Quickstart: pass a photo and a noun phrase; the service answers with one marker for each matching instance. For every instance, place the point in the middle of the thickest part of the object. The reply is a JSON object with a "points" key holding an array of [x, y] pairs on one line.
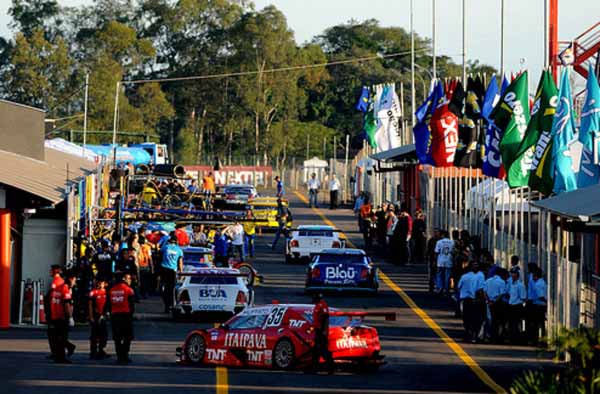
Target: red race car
{"points": [[282, 337]]}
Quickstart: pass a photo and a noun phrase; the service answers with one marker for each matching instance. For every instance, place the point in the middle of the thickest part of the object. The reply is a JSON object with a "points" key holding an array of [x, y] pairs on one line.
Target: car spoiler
{"points": [[335, 230], [389, 316], [214, 275]]}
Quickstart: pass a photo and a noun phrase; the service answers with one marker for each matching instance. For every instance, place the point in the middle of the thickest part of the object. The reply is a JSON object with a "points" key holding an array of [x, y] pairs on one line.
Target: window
{"points": [[341, 258], [214, 280], [196, 257], [337, 321], [247, 322], [316, 233]]}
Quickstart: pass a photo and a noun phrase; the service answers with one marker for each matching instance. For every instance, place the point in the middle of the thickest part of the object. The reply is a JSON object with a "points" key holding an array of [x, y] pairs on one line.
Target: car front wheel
{"points": [[283, 354], [195, 349]]}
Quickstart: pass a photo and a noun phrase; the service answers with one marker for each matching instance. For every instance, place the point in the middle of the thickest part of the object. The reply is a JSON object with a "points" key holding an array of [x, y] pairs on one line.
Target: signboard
{"points": [[259, 175]]}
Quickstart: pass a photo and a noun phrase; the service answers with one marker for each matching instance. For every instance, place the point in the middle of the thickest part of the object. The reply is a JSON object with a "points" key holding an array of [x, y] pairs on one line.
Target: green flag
{"points": [[511, 116], [544, 107], [541, 177], [370, 126]]}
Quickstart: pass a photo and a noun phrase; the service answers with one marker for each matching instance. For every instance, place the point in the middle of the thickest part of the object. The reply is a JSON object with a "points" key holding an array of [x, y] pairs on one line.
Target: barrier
{"points": [[31, 305]]}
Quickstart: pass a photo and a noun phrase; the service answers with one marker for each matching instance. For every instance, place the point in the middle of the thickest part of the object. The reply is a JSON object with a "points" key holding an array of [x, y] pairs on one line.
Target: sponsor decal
{"points": [[212, 293], [268, 357], [216, 354], [297, 323], [275, 317], [246, 340], [203, 307], [214, 335], [255, 356], [348, 342], [340, 273]]}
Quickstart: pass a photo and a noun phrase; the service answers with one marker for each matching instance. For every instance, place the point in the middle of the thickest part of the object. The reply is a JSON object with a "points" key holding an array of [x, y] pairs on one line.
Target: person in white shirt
{"points": [[517, 296], [539, 306], [313, 190], [236, 233], [443, 251], [334, 188], [469, 285]]}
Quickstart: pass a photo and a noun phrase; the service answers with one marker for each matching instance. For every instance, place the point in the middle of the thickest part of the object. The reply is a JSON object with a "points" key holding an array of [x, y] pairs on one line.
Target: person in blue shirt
{"points": [[516, 298], [171, 263], [468, 286], [221, 248], [193, 187], [280, 189], [539, 306], [529, 310], [495, 289]]}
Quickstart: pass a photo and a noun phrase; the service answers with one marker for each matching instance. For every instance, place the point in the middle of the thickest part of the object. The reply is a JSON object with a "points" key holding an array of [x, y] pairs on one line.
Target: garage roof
{"points": [[46, 179], [582, 204], [401, 153]]}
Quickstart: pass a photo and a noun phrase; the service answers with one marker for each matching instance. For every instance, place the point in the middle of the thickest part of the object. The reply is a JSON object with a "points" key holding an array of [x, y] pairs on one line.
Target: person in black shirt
{"points": [[103, 261], [419, 238]]}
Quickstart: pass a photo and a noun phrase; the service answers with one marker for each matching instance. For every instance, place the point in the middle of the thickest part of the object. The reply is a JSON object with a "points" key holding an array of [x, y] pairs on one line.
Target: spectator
{"points": [[468, 286], [392, 220], [199, 237], [103, 263], [495, 289], [250, 232], [313, 190], [360, 200], [419, 237], [366, 217], [183, 238], [529, 309], [193, 187], [208, 184], [221, 249], [514, 263], [381, 219], [402, 234], [236, 233], [539, 306], [431, 258], [172, 262], [443, 251], [146, 269], [517, 297], [334, 188], [280, 189]]}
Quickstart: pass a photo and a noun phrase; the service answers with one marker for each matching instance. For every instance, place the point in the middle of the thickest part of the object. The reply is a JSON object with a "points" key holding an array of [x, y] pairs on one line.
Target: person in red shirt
{"points": [[56, 281], [321, 325], [61, 318], [98, 331], [183, 238], [120, 305]]}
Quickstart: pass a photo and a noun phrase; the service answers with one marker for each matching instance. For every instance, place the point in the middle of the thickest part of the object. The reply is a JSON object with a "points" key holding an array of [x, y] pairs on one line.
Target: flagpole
{"points": [[504, 244], [529, 227], [522, 220], [464, 40], [85, 111], [492, 243], [502, 39], [412, 63], [433, 64]]}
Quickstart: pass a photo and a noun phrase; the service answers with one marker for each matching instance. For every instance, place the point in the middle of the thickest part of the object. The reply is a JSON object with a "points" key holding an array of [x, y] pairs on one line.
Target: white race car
{"points": [[211, 290], [308, 240], [195, 257]]}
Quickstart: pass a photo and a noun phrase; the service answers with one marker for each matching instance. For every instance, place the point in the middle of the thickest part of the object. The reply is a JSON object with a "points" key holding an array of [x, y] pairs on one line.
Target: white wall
{"points": [[44, 244]]}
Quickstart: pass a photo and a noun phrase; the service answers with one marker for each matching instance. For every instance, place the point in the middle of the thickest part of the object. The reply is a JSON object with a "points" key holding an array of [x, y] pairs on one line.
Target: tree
{"points": [[30, 16]]}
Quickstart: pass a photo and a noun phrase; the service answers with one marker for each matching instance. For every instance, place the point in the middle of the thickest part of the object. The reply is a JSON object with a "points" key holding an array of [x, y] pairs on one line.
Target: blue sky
{"points": [[523, 21]]}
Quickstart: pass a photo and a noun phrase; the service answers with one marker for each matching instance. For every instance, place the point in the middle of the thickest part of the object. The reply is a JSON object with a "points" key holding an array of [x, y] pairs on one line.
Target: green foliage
{"points": [[263, 117], [581, 374]]}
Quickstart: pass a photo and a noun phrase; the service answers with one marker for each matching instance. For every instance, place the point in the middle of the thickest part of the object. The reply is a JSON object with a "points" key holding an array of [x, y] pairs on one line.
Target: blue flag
{"points": [[505, 84], [363, 101], [589, 173], [492, 159], [563, 134], [490, 98], [421, 131]]}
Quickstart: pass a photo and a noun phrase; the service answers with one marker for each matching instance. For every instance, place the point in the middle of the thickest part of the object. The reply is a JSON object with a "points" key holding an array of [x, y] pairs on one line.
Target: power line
{"points": [[273, 70]]}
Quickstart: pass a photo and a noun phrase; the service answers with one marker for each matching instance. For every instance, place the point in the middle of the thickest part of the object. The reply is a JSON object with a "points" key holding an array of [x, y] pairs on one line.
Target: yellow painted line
{"points": [[222, 384], [451, 343]]}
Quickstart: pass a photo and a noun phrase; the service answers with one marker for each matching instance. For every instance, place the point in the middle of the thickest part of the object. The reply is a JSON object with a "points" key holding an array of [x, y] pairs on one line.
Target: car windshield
{"points": [[340, 258], [239, 190], [247, 322], [214, 280], [315, 233], [196, 257], [337, 321]]}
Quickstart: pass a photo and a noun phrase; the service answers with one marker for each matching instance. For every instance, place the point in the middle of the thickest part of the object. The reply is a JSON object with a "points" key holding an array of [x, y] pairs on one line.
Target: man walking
{"points": [[61, 319], [120, 305], [280, 189], [313, 190], [402, 234], [97, 319], [517, 297], [443, 252], [334, 187], [172, 261]]}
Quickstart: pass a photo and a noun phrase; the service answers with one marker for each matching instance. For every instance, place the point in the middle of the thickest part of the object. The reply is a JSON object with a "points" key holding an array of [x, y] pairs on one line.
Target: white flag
{"points": [[388, 110]]}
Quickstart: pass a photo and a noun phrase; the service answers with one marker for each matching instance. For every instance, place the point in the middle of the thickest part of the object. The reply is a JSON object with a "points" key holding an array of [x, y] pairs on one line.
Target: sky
{"points": [[523, 24]]}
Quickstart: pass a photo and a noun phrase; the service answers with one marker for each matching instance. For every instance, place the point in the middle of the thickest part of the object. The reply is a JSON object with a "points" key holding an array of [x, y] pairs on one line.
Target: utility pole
{"points": [[346, 183], [464, 42], [433, 40], [85, 110], [412, 63]]}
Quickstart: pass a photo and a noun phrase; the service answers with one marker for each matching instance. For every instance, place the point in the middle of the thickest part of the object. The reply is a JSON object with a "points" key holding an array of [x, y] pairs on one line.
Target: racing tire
{"points": [[249, 272], [284, 356], [195, 348]]}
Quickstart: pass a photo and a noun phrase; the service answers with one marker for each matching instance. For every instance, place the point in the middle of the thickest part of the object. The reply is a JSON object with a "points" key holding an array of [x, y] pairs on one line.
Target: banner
{"points": [[543, 111], [492, 159], [422, 130], [261, 175], [444, 136], [589, 173], [388, 111]]}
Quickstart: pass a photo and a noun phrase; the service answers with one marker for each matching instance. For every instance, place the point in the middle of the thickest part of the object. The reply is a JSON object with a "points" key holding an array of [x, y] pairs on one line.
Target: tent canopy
{"points": [[582, 204]]}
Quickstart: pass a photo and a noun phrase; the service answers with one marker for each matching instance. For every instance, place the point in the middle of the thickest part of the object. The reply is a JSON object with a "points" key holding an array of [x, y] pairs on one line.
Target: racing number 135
{"points": [[275, 317]]}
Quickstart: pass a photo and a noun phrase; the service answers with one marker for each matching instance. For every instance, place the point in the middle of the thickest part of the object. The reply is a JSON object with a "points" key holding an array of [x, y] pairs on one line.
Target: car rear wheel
{"points": [[195, 349], [283, 354]]}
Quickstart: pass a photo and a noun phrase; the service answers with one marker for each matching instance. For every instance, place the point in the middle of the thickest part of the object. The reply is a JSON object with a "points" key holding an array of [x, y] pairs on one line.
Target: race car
{"points": [[216, 290], [265, 211], [309, 240], [281, 336], [341, 270], [238, 195]]}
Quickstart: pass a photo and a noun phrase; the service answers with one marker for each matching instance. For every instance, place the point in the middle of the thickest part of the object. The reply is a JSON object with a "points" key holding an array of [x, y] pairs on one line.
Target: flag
{"points": [[370, 125], [492, 160], [421, 131], [511, 115], [444, 134], [563, 134], [457, 97], [490, 98], [388, 113], [363, 101], [466, 149], [589, 173], [505, 84], [540, 123]]}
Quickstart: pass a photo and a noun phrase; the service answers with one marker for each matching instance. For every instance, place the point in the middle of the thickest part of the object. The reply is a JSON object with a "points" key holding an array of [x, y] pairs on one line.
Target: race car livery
{"points": [[265, 211], [309, 240], [195, 257], [281, 336], [203, 290], [340, 270]]}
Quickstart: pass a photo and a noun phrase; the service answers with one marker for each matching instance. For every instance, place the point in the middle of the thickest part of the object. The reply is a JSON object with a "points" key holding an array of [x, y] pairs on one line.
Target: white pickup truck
{"points": [[307, 240]]}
